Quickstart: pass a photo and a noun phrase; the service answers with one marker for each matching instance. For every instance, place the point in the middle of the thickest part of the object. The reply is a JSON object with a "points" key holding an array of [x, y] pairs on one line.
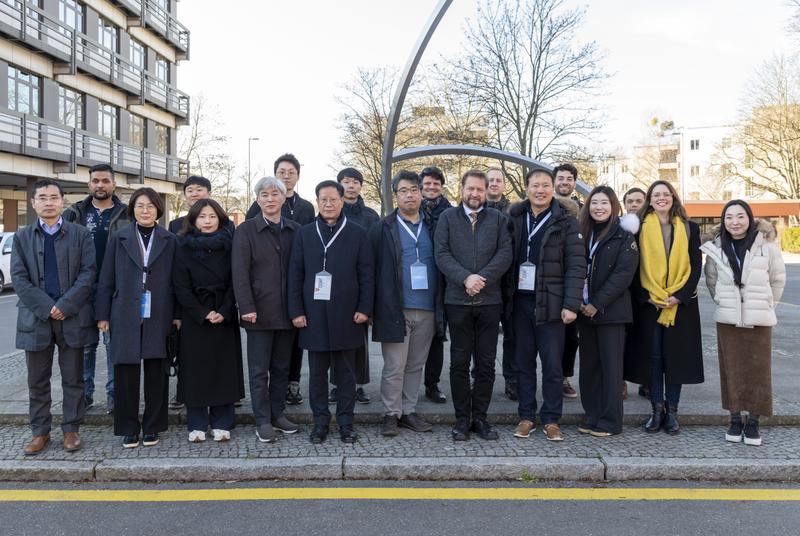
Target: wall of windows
{"points": [[72, 14], [107, 34]]}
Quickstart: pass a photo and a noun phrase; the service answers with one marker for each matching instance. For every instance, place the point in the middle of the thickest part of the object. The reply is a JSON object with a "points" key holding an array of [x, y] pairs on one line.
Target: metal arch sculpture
{"points": [[394, 118]]}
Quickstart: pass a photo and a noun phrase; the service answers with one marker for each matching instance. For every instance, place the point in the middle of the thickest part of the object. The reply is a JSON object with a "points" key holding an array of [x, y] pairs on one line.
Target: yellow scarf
{"points": [[657, 278]]}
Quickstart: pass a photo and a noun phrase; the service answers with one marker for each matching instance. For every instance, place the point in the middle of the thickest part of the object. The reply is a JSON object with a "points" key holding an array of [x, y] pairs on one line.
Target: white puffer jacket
{"points": [[763, 279]]}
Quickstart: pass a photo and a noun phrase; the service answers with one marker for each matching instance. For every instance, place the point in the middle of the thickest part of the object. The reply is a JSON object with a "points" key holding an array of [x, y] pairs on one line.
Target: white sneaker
{"points": [[221, 435], [197, 436]]}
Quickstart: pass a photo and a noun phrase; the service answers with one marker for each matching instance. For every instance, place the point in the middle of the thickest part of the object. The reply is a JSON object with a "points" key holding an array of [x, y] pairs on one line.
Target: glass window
{"points": [[162, 69], [162, 4], [694, 145], [136, 130], [136, 55], [71, 13], [107, 120], [70, 107], [162, 139], [23, 91], [694, 171], [107, 34]]}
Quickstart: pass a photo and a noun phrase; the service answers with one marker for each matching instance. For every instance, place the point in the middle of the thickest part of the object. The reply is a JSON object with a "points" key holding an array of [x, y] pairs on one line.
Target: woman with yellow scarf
{"points": [[667, 351]]}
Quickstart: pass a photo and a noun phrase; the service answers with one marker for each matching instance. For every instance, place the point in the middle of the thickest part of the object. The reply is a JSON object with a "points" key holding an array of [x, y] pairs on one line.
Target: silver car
{"points": [[6, 243]]}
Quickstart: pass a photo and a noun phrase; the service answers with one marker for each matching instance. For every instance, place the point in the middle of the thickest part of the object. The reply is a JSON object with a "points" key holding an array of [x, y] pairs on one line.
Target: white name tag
{"points": [[586, 292], [146, 304], [323, 282], [527, 276], [419, 276]]}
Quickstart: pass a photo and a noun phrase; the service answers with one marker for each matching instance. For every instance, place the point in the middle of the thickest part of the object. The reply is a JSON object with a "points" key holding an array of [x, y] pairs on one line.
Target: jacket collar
{"points": [[129, 241], [520, 208]]}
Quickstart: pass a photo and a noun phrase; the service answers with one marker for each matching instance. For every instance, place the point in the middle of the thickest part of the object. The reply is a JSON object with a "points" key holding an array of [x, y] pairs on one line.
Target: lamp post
{"points": [[249, 177]]}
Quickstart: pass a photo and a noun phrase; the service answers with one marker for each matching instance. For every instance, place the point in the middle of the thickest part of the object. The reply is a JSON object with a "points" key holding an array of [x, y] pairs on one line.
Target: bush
{"points": [[790, 240]]}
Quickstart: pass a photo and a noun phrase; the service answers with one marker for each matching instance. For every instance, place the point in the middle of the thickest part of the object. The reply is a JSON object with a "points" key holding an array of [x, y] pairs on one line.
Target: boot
{"points": [[656, 420], [671, 425]]}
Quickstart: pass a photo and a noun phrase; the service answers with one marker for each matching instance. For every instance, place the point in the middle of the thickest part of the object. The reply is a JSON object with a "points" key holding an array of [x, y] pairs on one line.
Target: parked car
{"points": [[6, 242]]}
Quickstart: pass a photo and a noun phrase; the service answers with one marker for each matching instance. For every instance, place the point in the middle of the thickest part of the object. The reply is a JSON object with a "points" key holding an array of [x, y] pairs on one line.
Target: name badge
{"points": [[527, 276], [419, 276], [586, 292], [323, 282], [145, 305]]}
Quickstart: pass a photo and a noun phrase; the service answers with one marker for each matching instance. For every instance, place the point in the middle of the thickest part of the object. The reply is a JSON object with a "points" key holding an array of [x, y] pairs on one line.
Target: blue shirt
{"points": [[417, 299]]}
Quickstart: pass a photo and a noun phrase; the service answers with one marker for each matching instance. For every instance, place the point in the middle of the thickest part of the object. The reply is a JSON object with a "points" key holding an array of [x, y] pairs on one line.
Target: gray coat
{"points": [[76, 275], [119, 293], [460, 252]]}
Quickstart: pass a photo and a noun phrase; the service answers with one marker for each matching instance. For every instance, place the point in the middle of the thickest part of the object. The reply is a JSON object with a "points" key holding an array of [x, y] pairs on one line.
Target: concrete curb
{"points": [[45, 471], [702, 469]]}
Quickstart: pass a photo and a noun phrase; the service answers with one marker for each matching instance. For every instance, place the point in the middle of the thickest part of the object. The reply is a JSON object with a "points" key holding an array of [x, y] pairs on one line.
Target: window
{"points": [[107, 120], [694, 145], [748, 160], [726, 143], [136, 130], [162, 139], [23, 91], [605, 169], [136, 54], [72, 14], [749, 189], [726, 169], [668, 156], [624, 168], [694, 171], [162, 69], [162, 4], [727, 195], [70, 107], [107, 34]]}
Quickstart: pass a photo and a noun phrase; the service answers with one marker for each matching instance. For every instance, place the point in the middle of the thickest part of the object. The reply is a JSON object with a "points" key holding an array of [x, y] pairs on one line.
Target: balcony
{"points": [[165, 96], [164, 24], [33, 136], [131, 7]]}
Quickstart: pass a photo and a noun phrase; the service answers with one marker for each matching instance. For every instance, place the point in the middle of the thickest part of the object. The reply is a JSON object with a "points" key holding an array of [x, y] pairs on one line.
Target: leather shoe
{"points": [[484, 430], [36, 445], [319, 434], [460, 431], [348, 435], [433, 394], [72, 441], [412, 421]]}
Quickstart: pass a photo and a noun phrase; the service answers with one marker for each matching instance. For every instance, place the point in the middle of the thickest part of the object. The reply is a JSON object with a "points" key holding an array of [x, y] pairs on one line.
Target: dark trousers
{"points": [[362, 364], [435, 361], [570, 349], [602, 351], [126, 397], [318, 365], [40, 370], [546, 340], [296, 362], [219, 417], [473, 330], [509, 353], [658, 368], [268, 355]]}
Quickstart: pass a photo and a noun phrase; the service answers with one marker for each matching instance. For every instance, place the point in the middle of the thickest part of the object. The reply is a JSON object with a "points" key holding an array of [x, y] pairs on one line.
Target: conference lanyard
{"points": [[330, 243], [415, 237], [534, 231], [736, 256], [145, 253]]}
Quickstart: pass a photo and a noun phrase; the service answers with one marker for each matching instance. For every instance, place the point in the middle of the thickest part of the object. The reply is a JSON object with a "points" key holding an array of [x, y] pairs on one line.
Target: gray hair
{"points": [[264, 183]]}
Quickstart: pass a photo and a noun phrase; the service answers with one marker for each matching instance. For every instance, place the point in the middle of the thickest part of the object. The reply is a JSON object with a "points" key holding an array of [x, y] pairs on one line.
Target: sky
{"points": [[273, 69]]}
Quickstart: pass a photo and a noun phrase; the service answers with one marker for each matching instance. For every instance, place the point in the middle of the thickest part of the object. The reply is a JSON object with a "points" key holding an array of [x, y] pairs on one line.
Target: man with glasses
{"points": [[473, 252]]}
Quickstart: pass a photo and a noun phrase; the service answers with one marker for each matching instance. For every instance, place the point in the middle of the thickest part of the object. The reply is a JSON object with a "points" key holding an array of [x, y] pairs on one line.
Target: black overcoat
{"points": [[330, 323], [119, 294]]}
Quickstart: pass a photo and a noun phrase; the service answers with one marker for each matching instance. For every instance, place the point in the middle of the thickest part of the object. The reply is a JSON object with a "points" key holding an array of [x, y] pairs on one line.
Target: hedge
{"points": [[790, 239]]}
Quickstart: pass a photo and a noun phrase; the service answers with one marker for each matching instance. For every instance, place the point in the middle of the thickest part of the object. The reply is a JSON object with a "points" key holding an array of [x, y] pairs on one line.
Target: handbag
{"points": [[173, 347]]}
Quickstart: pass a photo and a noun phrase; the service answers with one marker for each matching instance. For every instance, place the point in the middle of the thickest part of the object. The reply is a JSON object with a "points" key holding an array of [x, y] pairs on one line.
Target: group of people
{"points": [[555, 273]]}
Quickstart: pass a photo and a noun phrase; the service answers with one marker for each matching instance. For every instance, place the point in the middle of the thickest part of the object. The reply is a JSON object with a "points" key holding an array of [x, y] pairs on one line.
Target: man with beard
{"points": [[103, 214]]}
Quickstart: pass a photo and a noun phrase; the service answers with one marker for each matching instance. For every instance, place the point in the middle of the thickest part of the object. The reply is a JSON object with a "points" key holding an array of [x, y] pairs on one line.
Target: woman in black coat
{"points": [[210, 355], [612, 257], [666, 349], [135, 302]]}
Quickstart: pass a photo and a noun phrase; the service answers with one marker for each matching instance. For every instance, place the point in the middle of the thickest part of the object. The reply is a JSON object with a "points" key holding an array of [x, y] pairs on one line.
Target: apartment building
{"points": [[89, 82]]}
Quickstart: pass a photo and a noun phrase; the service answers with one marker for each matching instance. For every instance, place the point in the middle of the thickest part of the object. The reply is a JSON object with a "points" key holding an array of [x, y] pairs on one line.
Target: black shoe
{"points": [[460, 431], [347, 434], [332, 396], [656, 420], [319, 434], [511, 392], [412, 421], [89, 401], [671, 425], [361, 396], [389, 428], [735, 430], [433, 394], [293, 395], [484, 430], [130, 441], [150, 440], [751, 433]]}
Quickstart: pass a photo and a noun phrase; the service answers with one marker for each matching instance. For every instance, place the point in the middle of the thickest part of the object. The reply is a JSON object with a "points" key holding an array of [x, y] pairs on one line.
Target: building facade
{"points": [[89, 82]]}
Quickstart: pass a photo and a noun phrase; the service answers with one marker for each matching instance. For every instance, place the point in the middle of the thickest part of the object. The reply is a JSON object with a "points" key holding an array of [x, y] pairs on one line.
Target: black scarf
{"points": [[733, 248], [203, 244]]}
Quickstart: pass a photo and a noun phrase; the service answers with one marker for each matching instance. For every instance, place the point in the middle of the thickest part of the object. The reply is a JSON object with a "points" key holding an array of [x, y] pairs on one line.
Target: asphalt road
{"points": [[404, 517]]}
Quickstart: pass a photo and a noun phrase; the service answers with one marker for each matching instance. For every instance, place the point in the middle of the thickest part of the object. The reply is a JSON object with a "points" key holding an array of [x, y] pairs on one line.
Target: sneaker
{"points": [[197, 436], [596, 432], [524, 429], [109, 405], [413, 422], [585, 428], [221, 435], [361, 396], [284, 425], [293, 395], [266, 433], [332, 396], [734, 433], [569, 391], [174, 403], [553, 432], [751, 434], [130, 441], [389, 428], [150, 440], [89, 401]]}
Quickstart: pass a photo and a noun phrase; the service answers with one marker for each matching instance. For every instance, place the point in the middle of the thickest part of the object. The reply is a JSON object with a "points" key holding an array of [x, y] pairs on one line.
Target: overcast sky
{"points": [[274, 68]]}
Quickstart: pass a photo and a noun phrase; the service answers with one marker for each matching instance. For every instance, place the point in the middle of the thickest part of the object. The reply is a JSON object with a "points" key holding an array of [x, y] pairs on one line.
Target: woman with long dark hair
{"points": [[667, 351], [745, 275], [210, 355], [612, 257]]}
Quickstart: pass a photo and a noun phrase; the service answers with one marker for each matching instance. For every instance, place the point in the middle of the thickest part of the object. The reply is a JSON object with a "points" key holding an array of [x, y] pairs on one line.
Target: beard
{"points": [[100, 195], [473, 203]]}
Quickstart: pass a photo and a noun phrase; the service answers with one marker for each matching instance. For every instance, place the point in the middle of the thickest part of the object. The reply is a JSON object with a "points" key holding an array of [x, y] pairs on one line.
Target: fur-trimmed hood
{"points": [[630, 222], [765, 227], [568, 207]]}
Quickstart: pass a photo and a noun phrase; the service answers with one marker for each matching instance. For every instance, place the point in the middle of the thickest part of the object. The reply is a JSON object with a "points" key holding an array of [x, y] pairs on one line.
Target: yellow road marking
{"points": [[445, 494]]}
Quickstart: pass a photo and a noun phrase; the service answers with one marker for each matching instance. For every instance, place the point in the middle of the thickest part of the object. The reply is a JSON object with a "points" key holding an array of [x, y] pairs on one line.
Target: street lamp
{"points": [[249, 177]]}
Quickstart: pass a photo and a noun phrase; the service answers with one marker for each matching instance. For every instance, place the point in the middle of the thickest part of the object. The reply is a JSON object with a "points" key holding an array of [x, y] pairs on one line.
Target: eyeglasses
{"points": [[407, 191], [283, 173], [331, 201], [144, 208]]}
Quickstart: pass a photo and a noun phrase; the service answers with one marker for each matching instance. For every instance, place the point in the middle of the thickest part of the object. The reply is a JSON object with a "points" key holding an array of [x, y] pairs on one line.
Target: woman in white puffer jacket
{"points": [[745, 275]]}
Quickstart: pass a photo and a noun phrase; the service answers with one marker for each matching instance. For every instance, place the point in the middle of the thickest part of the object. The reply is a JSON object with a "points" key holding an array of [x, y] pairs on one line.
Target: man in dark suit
{"points": [[53, 268], [330, 299]]}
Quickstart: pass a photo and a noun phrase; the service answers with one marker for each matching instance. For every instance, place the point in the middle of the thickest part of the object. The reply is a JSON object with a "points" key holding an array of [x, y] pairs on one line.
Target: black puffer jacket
{"points": [[561, 262]]}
